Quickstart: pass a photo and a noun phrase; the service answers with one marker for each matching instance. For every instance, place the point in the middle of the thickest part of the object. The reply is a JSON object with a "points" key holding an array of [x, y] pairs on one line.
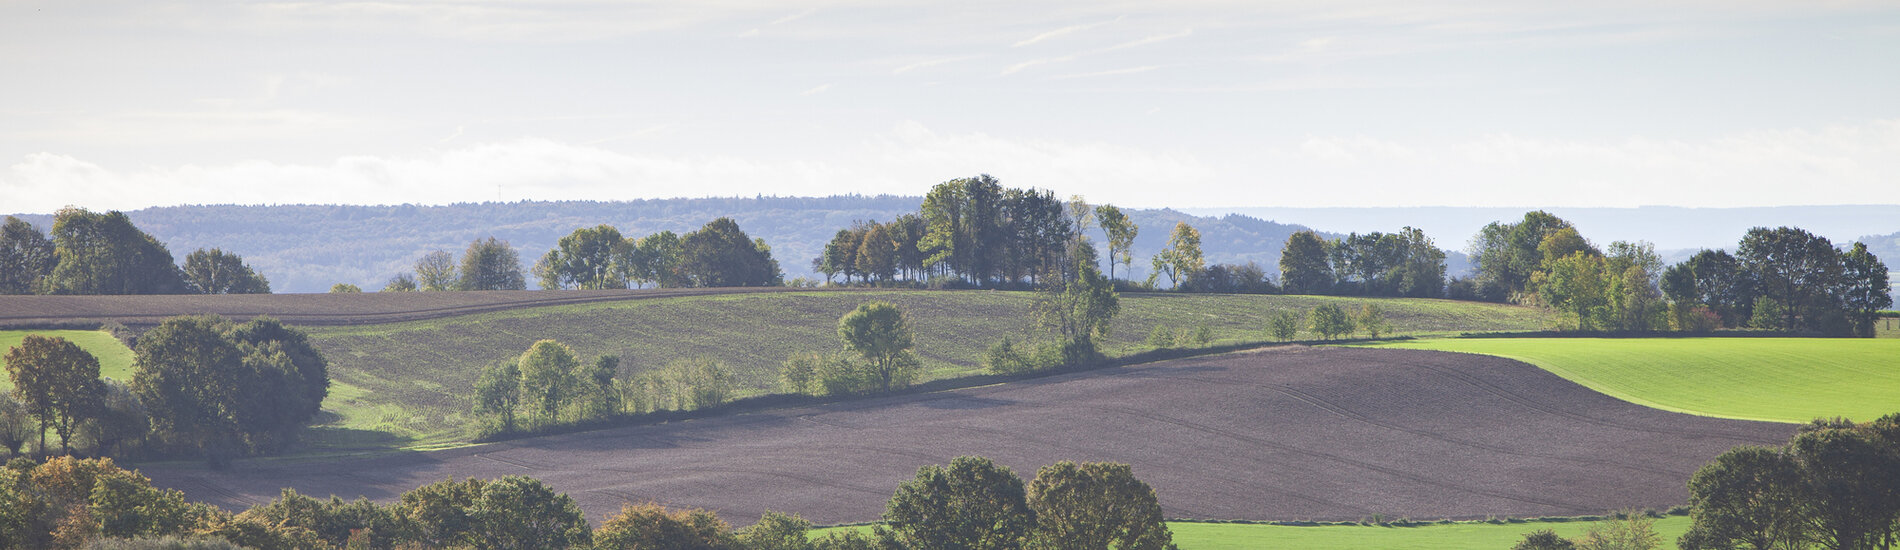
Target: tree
{"points": [[586, 259], [1095, 505], [1575, 284], [1079, 311], [973, 504], [1284, 324], [877, 253], [1628, 530], [1304, 266], [26, 257], [517, 512], [1372, 320], [1715, 280], [224, 388], [1506, 255], [436, 271], [659, 256], [702, 382], [16, 428], [1746, 498], [1120, 232], [58, 382], [345, 288], [776, 531], [1181, 257], [216, 272], [402, 282], [1847, 484], [490, 264], [498, 391], [438, 515], [1544, 539], [1865, 290], [1794, 268], [799, 371], [720, 254], [547, 378], [1330, 322], [880, 333], [650, 525], [106, 254]]}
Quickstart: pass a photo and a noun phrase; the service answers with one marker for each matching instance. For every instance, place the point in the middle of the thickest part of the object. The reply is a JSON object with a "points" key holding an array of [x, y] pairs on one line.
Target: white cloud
{"points": [[819, 89], [1112, 72]]}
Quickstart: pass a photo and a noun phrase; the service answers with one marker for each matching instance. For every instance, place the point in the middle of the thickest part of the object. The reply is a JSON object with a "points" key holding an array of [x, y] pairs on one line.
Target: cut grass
{"points": [[1772, 379], [411, 380], [1436, 536], [115, 360]]}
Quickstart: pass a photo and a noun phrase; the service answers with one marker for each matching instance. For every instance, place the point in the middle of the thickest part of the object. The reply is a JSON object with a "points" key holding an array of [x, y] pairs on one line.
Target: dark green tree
{"points": [[1095, 505], [880, 333], [223, 388], [106, 254], [402, 282], [1747, 498], [1796, 269], [720, 255], [658, 260], [1864, 289], [876, 256], [1305, 266], [26, 257], [498, 392], [1543, 539], [1849, 493], [1506, 255], [586, 259], [216, 272], [521, 513], [490, 264], [58, 382], [974, 504]]}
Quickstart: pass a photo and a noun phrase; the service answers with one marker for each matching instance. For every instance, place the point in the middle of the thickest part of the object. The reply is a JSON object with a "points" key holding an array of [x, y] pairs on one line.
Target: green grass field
{"points": [[409, 382], [115, 360], [1451, 536], [1775, 379]]}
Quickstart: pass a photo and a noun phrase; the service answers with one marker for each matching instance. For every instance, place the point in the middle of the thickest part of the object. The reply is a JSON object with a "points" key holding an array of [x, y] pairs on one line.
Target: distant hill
{"points": [[308, 248]]}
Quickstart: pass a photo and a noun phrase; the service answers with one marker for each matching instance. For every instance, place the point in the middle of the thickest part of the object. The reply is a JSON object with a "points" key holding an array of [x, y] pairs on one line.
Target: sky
{"points": [[1179, 103]]}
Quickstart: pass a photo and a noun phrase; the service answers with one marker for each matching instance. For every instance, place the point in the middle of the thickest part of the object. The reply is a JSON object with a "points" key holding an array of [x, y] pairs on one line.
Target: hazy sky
{"points": [[1162, 103]]}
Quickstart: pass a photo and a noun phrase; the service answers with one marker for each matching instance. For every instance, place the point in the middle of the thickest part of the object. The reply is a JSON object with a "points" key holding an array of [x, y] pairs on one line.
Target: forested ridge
{"points": [[308, 248]]}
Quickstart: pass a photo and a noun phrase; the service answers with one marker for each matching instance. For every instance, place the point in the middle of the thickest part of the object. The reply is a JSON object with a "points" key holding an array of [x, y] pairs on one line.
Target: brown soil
{"points": [[1290, 433]]}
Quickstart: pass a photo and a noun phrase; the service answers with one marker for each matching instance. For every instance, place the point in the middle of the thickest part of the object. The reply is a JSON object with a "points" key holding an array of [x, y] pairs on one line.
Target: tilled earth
{"points": [[1289, 433]]}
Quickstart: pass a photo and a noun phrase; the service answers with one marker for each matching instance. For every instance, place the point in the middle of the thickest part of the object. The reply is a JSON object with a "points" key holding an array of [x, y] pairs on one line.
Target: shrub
{"points": [[1330, 322], [1160, 338], [1005, 358], [650, 525], [799, 371], [1284, 325]]}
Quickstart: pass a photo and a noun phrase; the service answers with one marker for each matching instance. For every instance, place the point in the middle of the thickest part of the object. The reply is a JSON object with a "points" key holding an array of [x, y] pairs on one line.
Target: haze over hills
{"points": [[308, 248]]}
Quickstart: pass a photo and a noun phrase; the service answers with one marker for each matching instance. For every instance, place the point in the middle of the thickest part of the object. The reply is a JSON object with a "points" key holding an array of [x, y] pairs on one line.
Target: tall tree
{"points": [[1865, 290], [1422, 272], [1079, 310], [880, 333], [106, 254], [877, 253], [1095, 505], [58, 382], [436, 271], [1747, 498], [585, 258], [660, 256], [490, 264], [1304, 264], [548, 378], [521, 513], [1575, 284], [215, 271], [1796, 269], [26, 257], [943, 243], [974, 504], [1120, 232], [498, 391], [720, 254], [1507, 254], [1182, 257], [1715, 280]]}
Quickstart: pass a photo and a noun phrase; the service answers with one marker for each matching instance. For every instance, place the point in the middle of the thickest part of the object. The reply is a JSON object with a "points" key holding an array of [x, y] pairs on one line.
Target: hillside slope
{"points": [[1285, 433]]}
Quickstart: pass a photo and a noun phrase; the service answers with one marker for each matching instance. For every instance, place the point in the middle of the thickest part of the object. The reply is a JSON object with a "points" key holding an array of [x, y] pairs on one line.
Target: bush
{"points": [[1004, 358], [799, 371], [840, 375], [1160, 338], [1284, 325], [1330, 322]]}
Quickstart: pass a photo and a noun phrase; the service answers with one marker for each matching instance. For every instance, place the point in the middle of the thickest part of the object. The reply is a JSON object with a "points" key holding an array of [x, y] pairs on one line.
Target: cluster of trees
{"points": [[201, 385], [1406, 263], [716, 255], [1836, 485], [1780, 279], [972, 503], [94, 253], [972, 230], [876, 356], [488, 264], [548, 386]]}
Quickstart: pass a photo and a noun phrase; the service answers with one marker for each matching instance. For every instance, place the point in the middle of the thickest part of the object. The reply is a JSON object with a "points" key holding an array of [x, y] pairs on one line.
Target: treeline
{"points": [[93, 253], [971, 503], [1406, 263], [718, 254], [201, 386], [1784, 279]]}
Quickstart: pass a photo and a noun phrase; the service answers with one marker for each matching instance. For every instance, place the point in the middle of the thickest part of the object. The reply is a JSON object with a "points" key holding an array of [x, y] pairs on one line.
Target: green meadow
{"points": [[115, 360], [1433, 536], [1773, 379]]}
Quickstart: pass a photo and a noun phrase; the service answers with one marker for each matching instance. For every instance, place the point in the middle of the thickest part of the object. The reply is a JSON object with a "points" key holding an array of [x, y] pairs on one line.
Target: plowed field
{"points": [[1281, 434]]}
